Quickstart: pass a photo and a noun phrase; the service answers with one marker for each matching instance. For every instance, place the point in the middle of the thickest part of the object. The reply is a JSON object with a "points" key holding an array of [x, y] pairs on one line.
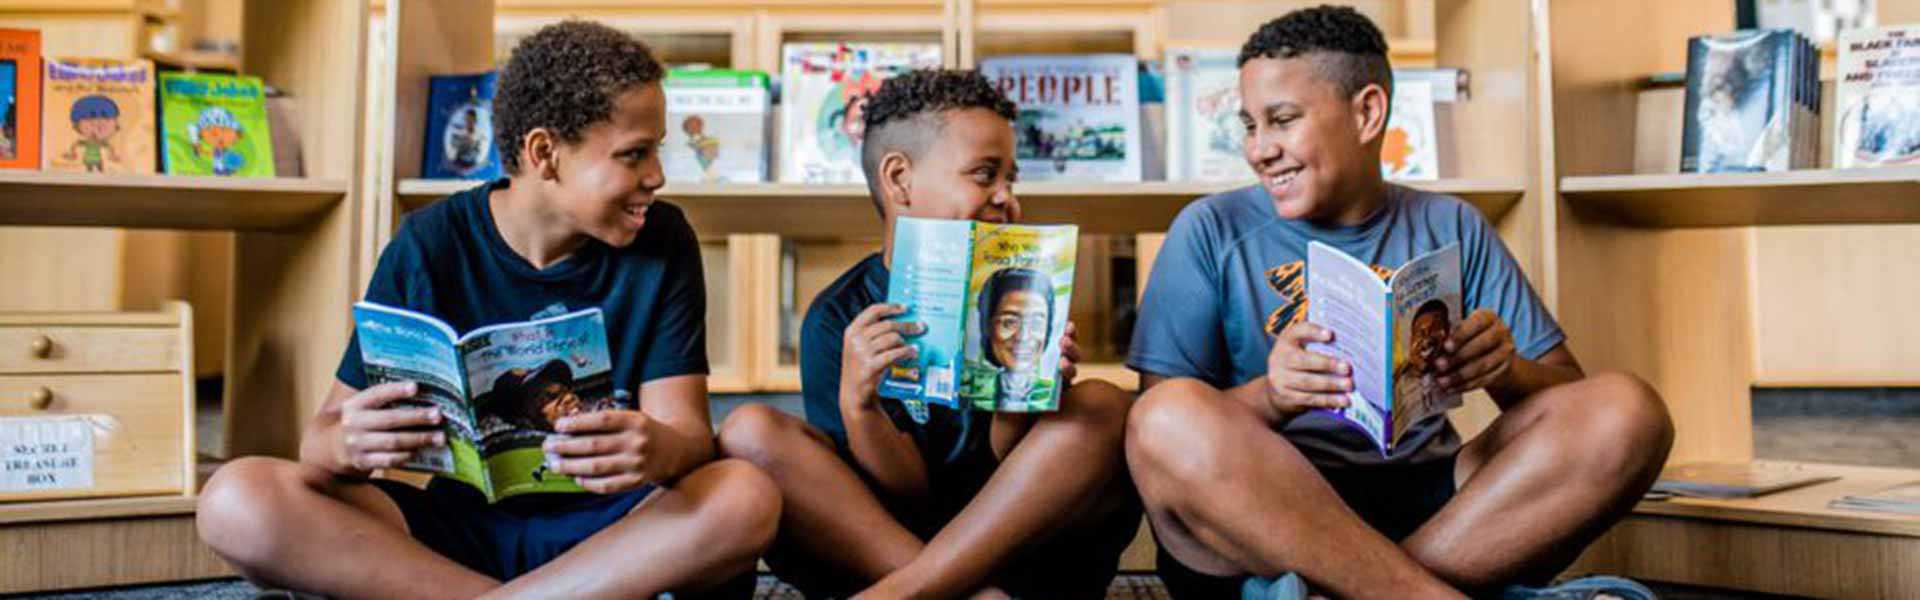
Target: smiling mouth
{"points": [[1282, 178]]}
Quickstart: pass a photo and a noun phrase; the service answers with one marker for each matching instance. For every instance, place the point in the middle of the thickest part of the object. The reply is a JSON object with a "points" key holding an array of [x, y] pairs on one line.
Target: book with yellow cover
{"points": [[99, 116]]}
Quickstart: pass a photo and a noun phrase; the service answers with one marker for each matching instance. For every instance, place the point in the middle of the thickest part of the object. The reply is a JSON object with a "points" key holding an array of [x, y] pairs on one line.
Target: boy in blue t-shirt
{"points": [[580, 116], [962, 502], [1241, 477]]}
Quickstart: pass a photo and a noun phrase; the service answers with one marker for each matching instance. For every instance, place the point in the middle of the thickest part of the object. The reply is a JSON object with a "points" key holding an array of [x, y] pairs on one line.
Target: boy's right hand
{"points": [[376, 434], [870, 344], [1299, 379]]}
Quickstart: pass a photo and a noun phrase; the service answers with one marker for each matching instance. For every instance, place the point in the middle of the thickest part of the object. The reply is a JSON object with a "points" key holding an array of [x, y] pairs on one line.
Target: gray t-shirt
{"points": [[1232, 274]]}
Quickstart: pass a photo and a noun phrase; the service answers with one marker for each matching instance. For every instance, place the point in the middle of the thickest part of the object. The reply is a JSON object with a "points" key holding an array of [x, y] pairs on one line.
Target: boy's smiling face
{"points": [[968, 171], [1306, 141], [608, 179]]}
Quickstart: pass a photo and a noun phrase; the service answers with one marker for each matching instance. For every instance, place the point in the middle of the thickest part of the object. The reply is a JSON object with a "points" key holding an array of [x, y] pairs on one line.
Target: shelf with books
{"points": [[165, 201], [1804, 197], [1805, 506]]}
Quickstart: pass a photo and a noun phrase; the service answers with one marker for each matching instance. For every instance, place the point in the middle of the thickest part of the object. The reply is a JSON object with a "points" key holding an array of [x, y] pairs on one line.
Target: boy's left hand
{"points": [[1069, 356], [1478, 354], [612, 451]]}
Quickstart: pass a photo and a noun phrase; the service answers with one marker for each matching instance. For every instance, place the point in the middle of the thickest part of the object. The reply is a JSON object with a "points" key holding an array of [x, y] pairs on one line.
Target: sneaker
{"points": [[1288, 586], [1595, 587]]}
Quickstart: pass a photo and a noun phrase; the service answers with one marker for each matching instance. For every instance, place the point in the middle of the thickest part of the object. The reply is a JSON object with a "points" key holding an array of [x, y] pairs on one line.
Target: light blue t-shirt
{"points": [[1232, 274]]}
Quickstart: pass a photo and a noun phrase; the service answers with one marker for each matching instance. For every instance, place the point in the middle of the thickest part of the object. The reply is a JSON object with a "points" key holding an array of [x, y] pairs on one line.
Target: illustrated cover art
{"points": [[1079, 115], [1739, 113], [1205, 139], [1878, 95], [716, 126], [99, 116], [460, 142], [824, 91], [214, 125], [1411, 150], [20, 94]]}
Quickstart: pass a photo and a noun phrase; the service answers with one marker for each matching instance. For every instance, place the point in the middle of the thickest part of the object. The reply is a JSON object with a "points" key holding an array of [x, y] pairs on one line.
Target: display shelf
{"points": [[1807, 506], [164, 201], [1806, 197]]}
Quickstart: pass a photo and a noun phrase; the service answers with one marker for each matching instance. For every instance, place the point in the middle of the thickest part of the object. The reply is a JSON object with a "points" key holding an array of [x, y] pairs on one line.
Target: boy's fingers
{"points": [[1327, 401], [1300, 333], [1476, 323], [391, 418], [597, 466], [383, 394], [1311, 384], [897, 354], [585, 445], [406, 441], [885, 342], [875, 313], [1315, 362], [611, 485], [383, 460], [1470, 351], [606, 420], [1489, 362]]}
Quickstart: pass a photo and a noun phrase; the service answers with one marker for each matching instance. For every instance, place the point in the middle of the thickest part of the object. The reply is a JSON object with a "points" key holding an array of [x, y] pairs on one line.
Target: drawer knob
{"points": [[41, 399], [40, 347]]}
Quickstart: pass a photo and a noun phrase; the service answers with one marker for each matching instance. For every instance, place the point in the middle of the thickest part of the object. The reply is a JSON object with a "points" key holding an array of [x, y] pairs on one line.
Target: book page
{"points": [[1017, 304], [399, 345], [931, 263], [1426, 308], [1345, 296], [526, 376]]}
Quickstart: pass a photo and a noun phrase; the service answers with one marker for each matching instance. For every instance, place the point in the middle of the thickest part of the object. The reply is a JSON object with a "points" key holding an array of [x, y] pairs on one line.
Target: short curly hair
{"points": [[906, 113], [565, 78], [1351, 49]]}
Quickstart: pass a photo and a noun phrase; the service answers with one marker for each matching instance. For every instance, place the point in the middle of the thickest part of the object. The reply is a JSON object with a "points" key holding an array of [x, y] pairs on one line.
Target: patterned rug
{"points": [[1125, 587]]}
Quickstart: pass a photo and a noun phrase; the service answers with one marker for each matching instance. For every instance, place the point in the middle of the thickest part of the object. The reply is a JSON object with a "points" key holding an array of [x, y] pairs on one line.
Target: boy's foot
{"points": [[1596, 587], [1285, 587]]}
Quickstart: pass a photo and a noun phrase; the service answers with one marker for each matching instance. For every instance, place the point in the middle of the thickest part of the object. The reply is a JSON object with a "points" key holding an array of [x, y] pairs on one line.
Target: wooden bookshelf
{"points": [[165, 201], [1805, 507], [1806, 197]]}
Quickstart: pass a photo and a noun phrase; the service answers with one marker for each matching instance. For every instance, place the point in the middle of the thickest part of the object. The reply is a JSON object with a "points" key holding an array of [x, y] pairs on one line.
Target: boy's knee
{"points": [[745, 499], [754, 433], [1098, 401], [1175, 423], [1625, 408], [235, 513]]}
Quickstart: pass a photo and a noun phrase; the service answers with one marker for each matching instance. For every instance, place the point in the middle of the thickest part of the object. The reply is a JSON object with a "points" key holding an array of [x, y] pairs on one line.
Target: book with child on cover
{"points": [[500, 389], [20, 94], [823, 98], [1879, 98], [99, 116], [1079, 115], [993, 299], [214, 124], [459, 142], [716, 126], [1390, 327]]}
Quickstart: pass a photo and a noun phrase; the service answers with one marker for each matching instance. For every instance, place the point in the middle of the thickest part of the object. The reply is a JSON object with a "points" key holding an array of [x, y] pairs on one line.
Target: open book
{"points": [[1390, 332], [500, 389], [994, 301]]}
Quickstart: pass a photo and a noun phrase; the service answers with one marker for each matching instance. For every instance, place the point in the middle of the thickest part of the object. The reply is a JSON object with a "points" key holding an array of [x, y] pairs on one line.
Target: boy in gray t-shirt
{"points": [[1241, 477]]}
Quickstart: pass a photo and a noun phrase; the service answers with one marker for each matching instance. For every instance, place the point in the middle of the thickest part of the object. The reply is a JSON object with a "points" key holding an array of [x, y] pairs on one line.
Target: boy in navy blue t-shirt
{"points": [[966, 502], [579, 115]]}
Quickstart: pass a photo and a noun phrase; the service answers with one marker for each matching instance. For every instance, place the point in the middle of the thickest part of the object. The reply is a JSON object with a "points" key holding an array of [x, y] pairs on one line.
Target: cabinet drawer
{"points": [[28, 349], [142, 435]]}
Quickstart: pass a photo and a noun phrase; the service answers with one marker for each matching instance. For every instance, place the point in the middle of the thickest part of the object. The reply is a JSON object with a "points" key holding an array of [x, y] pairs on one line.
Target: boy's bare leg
{"points": [[828, 513], [1228, 496], [1062, 465], [710, 526], [288, 524], [1547, 478]]}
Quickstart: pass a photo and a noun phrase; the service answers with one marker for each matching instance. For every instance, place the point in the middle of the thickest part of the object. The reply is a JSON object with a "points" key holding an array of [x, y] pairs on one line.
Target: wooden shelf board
{"points": [[98, 508], [1805, 507], [838, 210], [164, 201], [1805, 197]]}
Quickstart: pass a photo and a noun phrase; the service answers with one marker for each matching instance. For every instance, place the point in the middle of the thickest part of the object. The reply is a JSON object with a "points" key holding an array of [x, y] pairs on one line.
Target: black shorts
{"points": [[511, 538], [1394, 499]]}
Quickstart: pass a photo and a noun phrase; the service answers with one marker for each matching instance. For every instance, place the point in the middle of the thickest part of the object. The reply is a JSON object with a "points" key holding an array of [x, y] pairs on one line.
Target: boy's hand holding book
{"points": [[1477, 355], [1299, 379], [376, 434], [871, 344], [1069, 356], [613, 451]]}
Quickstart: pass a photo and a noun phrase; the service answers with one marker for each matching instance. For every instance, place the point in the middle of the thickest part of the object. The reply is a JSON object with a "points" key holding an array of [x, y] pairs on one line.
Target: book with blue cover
{"points": [[993, 299], [1390, 326], [459, 142], [500, 389]]}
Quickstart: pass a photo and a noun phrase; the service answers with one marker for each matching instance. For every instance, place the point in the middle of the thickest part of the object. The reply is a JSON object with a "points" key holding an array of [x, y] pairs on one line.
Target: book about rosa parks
{"points": [[993, 299], [499, 388]]}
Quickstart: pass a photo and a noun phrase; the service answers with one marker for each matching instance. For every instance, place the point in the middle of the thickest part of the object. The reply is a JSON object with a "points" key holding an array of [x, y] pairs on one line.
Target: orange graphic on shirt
{"points": [[1290, 282]]}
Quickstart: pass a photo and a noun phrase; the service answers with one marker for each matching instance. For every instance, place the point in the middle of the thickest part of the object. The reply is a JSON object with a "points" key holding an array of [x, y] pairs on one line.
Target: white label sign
{"points": [[51, 453]]}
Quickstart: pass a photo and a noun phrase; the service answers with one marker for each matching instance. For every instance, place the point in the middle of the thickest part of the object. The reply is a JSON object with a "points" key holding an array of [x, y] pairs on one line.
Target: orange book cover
{"points": [[20, 93], [99, 116]]}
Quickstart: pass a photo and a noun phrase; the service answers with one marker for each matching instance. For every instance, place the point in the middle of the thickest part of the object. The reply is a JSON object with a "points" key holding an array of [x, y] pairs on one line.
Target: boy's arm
{"points": [[1528, 377], [358, 431], [885, 452], [612, 451], [1481, 354], [680, 403]]}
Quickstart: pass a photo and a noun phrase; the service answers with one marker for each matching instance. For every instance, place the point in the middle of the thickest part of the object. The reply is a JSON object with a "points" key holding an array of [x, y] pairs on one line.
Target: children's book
{"points": [[214, 125], [823, 97], [1900, 499], [716, 126], [1748, 102], [1204, 134], [19, 99], [994, 301], [459, 142], [500, 388], [1079, 115], [99, 116], [1411, 150], [1736, 480], [1878, 93], [1391, 327]]}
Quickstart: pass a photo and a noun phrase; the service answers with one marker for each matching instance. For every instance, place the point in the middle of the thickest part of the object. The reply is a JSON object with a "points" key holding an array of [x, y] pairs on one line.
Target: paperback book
{"points": [[459, 142], [1878, 95], [716, 126], [1390, 327], [1079, 115], [823, 98], [1411, 150], [1752, 103], [1204, 134], [19, 99], [214, 125], [99, 116]]}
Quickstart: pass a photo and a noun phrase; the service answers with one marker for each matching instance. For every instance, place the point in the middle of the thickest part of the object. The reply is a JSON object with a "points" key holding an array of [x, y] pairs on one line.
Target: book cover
{"points": [[20, 93], [501, 388], [459, 142], [1899, 499], [1079, 115], [716, 126], [1410, 150], [99, 116], [1205, 140], [1739, 113], [823, 93], [994, 301], [1736, 480], [214, 125], [1878, 97], [1389, 327]]}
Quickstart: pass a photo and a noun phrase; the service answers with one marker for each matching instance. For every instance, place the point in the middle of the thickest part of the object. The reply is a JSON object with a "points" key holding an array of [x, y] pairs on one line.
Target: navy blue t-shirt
{"points": [[448, 260]]}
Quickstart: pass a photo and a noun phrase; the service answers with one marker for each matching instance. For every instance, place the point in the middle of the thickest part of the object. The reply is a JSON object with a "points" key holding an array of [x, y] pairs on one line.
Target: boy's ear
{"points": [[896, 181], [539, 153], [1370, 106]]}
